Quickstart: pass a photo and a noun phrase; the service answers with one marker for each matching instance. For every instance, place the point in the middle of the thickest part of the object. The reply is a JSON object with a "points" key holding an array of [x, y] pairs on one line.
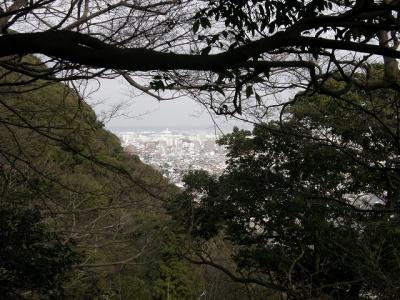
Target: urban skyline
{"points": [[174, 153]]}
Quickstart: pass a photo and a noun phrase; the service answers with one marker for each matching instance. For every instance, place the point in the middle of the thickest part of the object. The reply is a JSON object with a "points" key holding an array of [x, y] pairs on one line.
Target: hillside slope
{"points": [[89, 219], [57, 159]]}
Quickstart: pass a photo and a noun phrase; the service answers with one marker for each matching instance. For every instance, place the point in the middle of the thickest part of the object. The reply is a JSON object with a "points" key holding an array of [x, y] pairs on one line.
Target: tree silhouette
{"points": [[309, 202], [230, 51]]}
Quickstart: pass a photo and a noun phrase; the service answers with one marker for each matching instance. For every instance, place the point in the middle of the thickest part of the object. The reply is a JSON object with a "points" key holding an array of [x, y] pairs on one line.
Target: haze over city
{"points": [[146, 112]]}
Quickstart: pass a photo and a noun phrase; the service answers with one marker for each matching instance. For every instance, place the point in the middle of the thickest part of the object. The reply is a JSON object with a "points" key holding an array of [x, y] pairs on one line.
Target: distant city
{"points": [[174, 152]]}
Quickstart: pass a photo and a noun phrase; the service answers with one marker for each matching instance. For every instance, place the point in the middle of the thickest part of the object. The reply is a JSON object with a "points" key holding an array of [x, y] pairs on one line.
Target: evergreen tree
{"points": [[308, 201]]}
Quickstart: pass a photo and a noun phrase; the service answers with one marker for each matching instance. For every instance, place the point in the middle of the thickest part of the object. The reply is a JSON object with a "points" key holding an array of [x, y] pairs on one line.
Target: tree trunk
{"points": [[391, 66]]}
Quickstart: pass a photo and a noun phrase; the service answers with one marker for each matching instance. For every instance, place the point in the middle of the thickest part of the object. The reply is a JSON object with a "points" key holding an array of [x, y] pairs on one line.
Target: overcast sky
{"points": [[146, 112]]}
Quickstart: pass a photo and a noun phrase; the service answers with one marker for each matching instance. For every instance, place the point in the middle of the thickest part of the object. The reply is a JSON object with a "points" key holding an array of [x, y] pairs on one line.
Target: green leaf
{"points": [[249, 91], [205, 22], [196, 26]]}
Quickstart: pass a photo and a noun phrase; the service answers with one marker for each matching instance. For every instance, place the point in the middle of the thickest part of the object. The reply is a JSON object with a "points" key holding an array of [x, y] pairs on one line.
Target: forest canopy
{"points": [[310, 202], [229, 55], [80, 217], [307, 207]]}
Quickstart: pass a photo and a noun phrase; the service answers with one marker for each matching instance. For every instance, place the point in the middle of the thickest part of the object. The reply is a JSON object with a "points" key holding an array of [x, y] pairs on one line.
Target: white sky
{"points": [[146, 112]]}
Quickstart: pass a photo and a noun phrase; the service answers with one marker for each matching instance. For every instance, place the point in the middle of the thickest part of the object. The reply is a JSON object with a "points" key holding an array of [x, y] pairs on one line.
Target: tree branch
{"points": [[92, 52]]}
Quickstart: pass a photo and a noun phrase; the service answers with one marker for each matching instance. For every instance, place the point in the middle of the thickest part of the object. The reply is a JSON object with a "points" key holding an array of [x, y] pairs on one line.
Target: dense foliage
{"points": [[33, 259], [308, 206], [309, 201], [65, 179], [79, 217]]}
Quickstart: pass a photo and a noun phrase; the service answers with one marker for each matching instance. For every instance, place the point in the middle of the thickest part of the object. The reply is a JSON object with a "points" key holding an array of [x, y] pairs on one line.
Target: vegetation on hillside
{"points": [[82, 219], [67, 180], [308, 202], [308, 206]]}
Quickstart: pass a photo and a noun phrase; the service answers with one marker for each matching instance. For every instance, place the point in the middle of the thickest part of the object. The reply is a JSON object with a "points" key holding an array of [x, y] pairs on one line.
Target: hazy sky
{"points": [[145, 111]]}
